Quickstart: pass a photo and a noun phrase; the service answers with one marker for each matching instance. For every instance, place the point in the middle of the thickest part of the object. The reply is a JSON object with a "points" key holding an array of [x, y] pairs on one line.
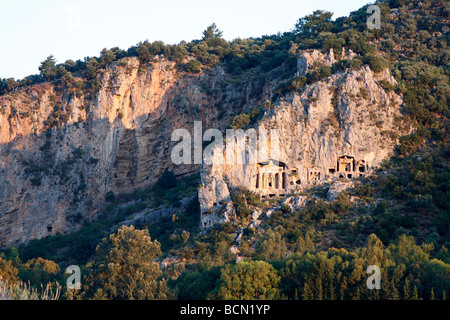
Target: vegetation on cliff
{"points": [[398, 218]]}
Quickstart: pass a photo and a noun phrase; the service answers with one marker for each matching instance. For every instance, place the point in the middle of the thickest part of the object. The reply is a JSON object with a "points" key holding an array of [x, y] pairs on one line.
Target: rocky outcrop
{"points": [[152, 215], [341, 127], [62, 150], [295, 202], [309, 58]]}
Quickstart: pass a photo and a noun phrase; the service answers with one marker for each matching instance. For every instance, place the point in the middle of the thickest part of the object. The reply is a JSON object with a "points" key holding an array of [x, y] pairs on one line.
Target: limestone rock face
{"points": [[341, 127], [295, 202], [61, 151], [308, 58]]}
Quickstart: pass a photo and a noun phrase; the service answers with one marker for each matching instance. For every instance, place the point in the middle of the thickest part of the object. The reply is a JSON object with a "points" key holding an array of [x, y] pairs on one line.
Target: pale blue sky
{"points": [[31, 30]]}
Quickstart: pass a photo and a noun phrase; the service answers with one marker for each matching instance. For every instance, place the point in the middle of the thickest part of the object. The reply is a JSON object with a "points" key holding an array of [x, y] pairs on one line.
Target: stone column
{"points": [[280, 180]]}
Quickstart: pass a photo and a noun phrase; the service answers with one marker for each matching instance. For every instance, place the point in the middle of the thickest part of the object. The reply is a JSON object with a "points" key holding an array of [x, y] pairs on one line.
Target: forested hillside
{"points": [[397, 218]]}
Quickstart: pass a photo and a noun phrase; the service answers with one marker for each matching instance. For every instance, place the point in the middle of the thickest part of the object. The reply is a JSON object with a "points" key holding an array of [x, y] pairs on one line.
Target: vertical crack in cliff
{"points": [[125, 167]]}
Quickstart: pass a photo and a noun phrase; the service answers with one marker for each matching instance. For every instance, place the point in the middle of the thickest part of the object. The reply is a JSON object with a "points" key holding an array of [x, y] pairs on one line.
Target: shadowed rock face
{"points": [[343, 127], [60, 152]]}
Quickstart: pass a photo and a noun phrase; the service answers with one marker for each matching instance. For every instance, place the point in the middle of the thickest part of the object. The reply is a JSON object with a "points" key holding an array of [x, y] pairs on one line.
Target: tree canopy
{"points": [[248, 280], [48, 68], [314, 23], [123, 268]]}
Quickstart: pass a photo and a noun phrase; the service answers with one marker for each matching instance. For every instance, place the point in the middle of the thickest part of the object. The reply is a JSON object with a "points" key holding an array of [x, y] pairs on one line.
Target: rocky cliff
{"points": [[339, 128], [61, 150]]}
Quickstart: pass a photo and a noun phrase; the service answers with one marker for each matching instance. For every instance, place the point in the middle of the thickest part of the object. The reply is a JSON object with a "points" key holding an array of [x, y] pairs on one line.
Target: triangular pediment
{"points": [[272, 163]]}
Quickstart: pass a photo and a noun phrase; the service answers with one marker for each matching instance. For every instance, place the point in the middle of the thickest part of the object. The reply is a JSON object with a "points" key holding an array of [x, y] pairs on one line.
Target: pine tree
{"points": [[332, 292], [342, 289], [319, 280], [393, 293], [406, 292], [415, 295], [300, 245], [272, 246], [314, 23], [307, 292], [296, 295], [357, 295], [212, 33], [309, 244], [48, 68]]}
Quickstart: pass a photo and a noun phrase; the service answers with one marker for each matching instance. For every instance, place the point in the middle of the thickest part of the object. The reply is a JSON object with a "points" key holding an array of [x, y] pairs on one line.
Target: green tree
{"points": [[91, 68], [240, 204], [8, 272], [66, 76], [106, 57], [193, 66], [314, 23], [48, 68], [39, 270], [70, 65], [240, 121], [212, 33], [8, 85], [197, 284], [319, 72], [377, 64], [303, 245], [143, 52], [405, 250], [248, 280], [272, 246], [307, 292], [342, 205], [123, 268], [331, 41]]}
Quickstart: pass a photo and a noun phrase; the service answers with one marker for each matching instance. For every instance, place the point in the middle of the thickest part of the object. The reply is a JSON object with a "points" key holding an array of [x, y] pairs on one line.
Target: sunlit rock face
{"points": [[61, 151], [339, 128]]}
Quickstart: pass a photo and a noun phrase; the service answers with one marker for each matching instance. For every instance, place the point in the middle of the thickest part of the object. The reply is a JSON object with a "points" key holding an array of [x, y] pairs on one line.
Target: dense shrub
{"points": [[376, 63], [167, 180], [193, 66]]}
